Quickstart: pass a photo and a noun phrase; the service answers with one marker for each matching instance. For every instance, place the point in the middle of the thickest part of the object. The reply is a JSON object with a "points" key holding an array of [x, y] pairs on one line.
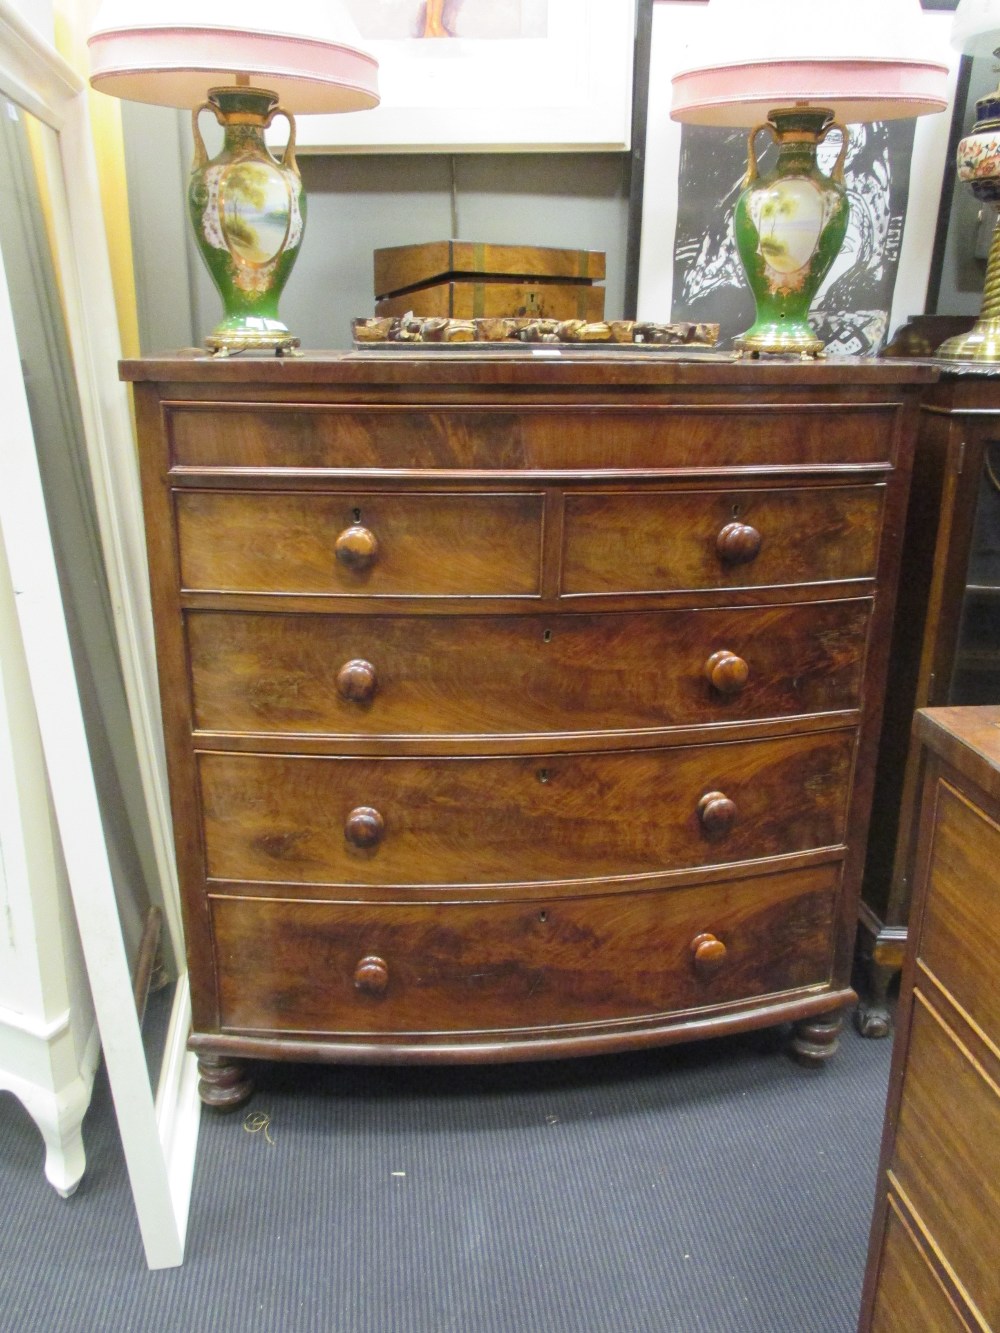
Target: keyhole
{"points": [[543, 775], [543, 917], [546, 636], [736, 511], [356, 515]]}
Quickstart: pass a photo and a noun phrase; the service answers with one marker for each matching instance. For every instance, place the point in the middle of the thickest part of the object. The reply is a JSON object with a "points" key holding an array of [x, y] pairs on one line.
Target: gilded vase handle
{"points": [[752, 173], [837, 174], [288, 157], [200, 151]]}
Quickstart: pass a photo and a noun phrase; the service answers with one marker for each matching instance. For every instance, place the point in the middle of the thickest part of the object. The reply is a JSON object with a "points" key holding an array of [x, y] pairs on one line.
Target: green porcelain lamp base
{"points": [[248, 212], [789, 226]]}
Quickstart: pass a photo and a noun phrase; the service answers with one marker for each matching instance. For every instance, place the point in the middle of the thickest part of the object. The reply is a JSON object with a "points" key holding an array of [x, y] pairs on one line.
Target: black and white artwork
{"points": [[851, 311], [688, 265]]}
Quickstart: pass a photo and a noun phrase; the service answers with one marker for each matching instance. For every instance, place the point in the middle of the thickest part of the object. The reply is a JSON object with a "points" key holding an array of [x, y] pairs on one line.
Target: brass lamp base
{"points": [[981, 343], [978, 165]]}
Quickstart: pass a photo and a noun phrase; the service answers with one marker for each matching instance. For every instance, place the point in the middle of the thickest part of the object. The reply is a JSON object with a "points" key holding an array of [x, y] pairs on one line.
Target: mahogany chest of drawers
{"points": [[933, 1263], [518, 706]]}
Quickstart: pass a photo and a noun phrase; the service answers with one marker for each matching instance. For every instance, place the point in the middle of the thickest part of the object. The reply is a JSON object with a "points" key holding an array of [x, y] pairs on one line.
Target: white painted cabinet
{"points": [[49, 1043]]}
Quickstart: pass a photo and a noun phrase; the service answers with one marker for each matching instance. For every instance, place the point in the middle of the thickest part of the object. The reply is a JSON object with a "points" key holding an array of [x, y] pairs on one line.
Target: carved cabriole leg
{"points": [[224, 1084], [815, 1040], [872, 1017]]}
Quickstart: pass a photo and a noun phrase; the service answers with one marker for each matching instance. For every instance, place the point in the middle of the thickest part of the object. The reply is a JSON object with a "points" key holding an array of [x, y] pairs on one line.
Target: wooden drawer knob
{"points": [[708, 952], [357, 681], [356, 547], [737, 543], [716, 812], [364, 827], [726, 672], [372, 975]]}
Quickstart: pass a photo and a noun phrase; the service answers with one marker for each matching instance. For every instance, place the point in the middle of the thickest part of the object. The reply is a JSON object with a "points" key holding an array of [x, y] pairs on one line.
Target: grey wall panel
{"points": [[357, 204]]}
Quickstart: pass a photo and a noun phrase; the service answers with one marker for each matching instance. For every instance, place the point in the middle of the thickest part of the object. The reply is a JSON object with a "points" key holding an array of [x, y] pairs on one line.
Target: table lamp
{"points": [[248, 64], [976, 32], [774, 66]]}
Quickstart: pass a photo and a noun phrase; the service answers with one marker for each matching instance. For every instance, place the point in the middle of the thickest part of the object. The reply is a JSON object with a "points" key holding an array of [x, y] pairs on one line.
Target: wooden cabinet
{"points": [[933, 1254], [945, 648], [519, 705]]}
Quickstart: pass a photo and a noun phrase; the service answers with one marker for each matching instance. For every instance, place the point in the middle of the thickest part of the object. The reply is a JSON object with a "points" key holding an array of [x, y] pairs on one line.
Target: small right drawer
{"points": [[658, 541]]}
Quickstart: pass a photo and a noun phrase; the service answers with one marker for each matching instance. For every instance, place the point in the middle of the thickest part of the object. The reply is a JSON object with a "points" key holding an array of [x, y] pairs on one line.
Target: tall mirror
{"points": [[77, 656]]}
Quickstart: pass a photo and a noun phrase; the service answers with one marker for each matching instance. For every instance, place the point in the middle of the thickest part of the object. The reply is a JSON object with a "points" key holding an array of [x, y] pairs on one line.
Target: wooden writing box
{"points": [[472, 280]]}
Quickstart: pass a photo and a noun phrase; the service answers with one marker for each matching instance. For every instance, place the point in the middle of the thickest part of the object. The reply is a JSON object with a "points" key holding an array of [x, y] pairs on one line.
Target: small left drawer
{"points": [[362, 544]]}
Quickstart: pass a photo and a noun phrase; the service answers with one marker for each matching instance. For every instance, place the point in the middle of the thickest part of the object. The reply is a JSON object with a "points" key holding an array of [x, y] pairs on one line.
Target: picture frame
{"points": [[564, 87], [676, 24]]}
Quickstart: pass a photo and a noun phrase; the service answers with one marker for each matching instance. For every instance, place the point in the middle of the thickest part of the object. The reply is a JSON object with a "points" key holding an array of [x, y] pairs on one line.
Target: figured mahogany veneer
{"points": [[433, 675], [492, 820], [518, 707], [807, 535], [473, 967], [417, 545], [932, 1260]]}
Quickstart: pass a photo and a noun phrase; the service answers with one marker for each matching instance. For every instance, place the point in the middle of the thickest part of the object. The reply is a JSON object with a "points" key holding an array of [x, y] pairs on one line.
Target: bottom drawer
{"points": [[947, 1132], [910, 1296], [459, 967]]}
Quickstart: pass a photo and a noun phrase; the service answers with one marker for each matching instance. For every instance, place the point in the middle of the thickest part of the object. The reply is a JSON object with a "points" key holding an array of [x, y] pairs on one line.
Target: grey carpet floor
{"points": [[712, 1188]]}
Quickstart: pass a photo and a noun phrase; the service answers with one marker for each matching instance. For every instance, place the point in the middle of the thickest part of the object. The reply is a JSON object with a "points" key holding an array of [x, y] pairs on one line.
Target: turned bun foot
{"points": [[224, 1084], [815, 1040]]}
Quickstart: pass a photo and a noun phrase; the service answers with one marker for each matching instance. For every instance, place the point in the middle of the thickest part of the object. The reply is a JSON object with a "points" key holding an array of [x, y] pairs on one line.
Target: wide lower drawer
{"points": [[360, 543], [332, 967], [649, 541], [476, 675], [514, 819]]}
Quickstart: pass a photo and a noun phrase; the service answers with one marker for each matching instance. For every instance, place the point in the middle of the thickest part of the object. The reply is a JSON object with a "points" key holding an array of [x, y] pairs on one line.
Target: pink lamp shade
{"points": [[855, 90], [248, 63], [862, 60], [309, 54]]}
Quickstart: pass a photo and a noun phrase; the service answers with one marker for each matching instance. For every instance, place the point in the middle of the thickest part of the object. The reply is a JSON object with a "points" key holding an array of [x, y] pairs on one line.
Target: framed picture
{"points": [[489, 76], [688, 265]]}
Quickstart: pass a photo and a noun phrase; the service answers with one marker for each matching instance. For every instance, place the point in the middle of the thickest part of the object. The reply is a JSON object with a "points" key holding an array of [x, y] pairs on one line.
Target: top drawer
{"points": [[536, 436], [960, 936]]}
